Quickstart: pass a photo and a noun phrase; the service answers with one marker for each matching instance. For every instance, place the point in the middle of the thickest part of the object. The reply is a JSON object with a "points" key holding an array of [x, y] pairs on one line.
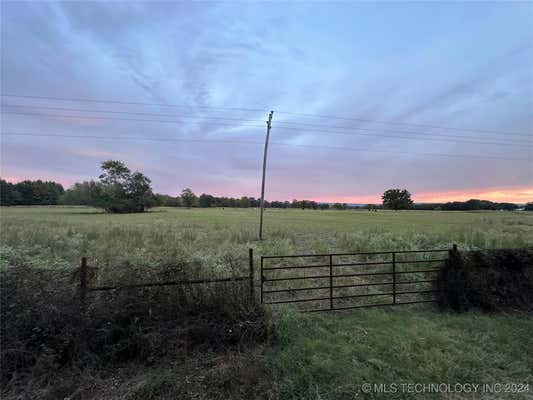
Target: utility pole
{"points": [[262, 203]]}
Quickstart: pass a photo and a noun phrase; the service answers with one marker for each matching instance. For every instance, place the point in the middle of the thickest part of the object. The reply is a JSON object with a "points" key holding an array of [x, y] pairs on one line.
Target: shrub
{"points": [[491, 280], [45, 328]]}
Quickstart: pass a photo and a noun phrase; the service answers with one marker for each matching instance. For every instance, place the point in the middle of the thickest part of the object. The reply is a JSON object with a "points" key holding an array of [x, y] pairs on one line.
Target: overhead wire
{"points": [[321, 116], [376, 132], [181, 139]]}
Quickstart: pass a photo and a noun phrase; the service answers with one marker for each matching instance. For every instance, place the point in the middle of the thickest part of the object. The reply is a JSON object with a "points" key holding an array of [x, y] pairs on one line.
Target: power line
{"points": [[402, 152], [155, 139], [130, 102], [130, 113], [123, 119], [174, 139], [306, 130], [423, 138], [402, 123], [262, 110], [434, 134], [290, 125]]}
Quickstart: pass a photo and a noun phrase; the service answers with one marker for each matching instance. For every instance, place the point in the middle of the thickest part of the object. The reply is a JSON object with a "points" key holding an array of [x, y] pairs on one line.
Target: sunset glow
{"points": [[435, 98]]}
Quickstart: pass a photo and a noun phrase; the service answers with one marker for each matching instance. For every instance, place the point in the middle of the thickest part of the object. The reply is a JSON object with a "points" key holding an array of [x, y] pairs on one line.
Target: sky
{"points": [[434, 97]]}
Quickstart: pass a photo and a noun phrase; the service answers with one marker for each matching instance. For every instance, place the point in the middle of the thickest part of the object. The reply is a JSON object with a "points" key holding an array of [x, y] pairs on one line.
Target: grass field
{"points": [[311, 356], [59, 236], [332, 356]]}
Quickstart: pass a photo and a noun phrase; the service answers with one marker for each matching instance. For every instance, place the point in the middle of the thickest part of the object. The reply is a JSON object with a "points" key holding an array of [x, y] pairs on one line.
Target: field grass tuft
{"points": [[330, 356]]}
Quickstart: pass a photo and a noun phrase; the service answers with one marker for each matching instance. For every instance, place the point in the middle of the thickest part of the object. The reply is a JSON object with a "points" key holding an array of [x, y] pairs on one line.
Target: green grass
{"points": [[215, 238], [314, 356], [331, 356]]}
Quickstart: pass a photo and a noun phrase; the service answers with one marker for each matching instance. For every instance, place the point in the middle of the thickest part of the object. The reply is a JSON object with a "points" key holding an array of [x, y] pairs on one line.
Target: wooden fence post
{"points": [[251, 265], [453, 255], [83, 284]]}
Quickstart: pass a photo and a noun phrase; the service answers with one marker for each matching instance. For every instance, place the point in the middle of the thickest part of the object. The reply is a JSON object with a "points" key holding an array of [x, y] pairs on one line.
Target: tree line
{"points": [[119, 190], [189, 199], [28, 193]]}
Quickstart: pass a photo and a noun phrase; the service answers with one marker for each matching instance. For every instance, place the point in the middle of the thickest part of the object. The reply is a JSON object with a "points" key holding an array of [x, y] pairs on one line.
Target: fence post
{"points": [[261, 279], [453, 253], [83, 284], [393, 278], [331, 282], [251, 265]]}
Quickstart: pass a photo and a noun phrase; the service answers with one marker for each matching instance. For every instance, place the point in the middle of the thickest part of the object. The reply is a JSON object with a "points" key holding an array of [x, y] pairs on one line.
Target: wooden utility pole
{"points": [[262, 203]]}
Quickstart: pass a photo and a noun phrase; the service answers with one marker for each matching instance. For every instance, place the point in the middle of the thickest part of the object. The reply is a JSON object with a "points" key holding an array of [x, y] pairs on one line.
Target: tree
{"points": [[6, 193], [529, 206], [340, 206], [30, 193], [118, 191], [206, 200], [188, 198], [115, 173], [139, 192], [397, 199], [81, 194]]}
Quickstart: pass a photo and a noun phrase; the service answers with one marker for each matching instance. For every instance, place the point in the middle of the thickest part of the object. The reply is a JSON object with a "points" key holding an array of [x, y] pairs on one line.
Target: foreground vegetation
{"points": [[332, 356], [138, 352]]}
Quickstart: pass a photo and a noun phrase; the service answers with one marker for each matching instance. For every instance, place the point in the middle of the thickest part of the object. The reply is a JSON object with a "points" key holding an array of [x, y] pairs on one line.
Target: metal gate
{"points": [[340, 281]]}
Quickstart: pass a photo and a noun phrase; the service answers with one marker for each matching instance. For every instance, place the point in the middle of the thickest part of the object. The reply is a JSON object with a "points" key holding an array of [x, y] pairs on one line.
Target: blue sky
{"points": [[459, 65]]}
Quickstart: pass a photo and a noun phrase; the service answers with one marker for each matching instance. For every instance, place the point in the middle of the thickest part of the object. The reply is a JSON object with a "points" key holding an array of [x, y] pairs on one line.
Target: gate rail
{"points": [[394, 286]]}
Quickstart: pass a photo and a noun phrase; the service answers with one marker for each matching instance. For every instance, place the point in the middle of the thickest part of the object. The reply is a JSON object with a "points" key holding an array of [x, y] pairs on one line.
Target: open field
{"points": [[59, 236], [310, 356]]}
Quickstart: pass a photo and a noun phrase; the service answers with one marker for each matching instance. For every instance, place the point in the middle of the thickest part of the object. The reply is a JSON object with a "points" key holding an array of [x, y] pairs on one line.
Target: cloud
{"points": [[353, 60]]}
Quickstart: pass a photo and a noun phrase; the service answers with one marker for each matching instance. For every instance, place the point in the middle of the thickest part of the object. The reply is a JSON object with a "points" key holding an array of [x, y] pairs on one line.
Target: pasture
{"points": [[59, 236], [310, 356]]}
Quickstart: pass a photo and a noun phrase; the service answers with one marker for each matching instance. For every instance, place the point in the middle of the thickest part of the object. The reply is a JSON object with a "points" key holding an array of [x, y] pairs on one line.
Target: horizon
{"points": [[418, 198], [435, 98]]}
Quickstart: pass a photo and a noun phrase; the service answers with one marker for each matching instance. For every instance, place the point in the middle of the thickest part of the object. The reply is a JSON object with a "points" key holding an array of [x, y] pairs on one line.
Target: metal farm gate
{"points": [[341, 281]]}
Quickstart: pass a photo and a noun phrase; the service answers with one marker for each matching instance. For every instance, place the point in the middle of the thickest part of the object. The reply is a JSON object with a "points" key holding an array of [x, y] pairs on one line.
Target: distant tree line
{"points": [[119, 190], [475, 204], [28, 192], [469, 205], [189, 199]]}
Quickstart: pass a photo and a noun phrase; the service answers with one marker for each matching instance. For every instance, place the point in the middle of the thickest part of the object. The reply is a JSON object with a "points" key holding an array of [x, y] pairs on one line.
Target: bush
{"points": [[491, 280], [45, 327]]}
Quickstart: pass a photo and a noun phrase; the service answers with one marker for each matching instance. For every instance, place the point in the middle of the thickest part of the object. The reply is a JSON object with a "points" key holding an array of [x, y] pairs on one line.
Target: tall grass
{"points": [[209, 238], [330, 357], [43, 330]]}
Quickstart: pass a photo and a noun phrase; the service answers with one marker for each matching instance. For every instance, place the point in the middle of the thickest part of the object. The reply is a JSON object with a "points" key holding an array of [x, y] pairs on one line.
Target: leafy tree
{"points": [[188, 198], [397, 199], [164, 200], [206, 200], [118, 191], [139, 192], [475, 204], [529, 206], [340, 206], [115, 173], [244, 202], [82, 194], [30, 193], [7, 196]]}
